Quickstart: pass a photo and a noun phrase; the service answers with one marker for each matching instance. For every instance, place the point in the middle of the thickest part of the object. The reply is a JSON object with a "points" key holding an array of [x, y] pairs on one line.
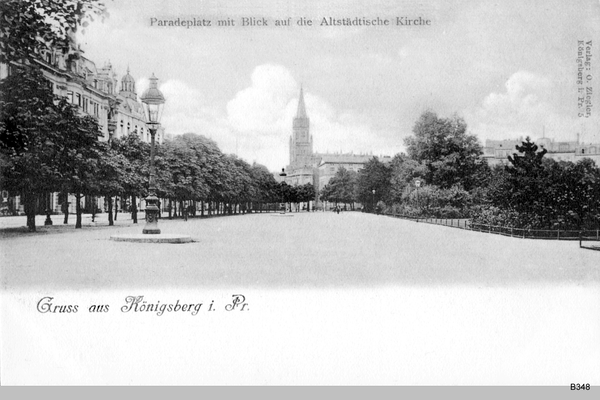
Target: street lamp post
{"points": [[283, 175], [373, 201], [48, 220], [153, 101]]}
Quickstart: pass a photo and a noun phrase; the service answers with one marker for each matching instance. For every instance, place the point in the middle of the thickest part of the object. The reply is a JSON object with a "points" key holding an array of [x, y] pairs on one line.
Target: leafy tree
{"points": [[539, 193], [186, 181], [306, 193], [79, 151], [265, 184], [286, 193], [44, 142], [341, 187], [572, 194], [111, 173], [246, 190], [526, 183], [30, 27], [374, 176], [28, 138], [135, 171], [404, 172], [443, 146]]}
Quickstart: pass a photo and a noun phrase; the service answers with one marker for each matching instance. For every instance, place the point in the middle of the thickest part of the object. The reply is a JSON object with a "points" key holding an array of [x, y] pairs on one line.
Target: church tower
{"points": [[301, 144]]}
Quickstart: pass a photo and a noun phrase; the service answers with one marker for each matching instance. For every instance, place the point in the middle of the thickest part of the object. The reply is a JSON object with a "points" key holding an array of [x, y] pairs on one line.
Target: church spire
{"points": [[301, 113]]}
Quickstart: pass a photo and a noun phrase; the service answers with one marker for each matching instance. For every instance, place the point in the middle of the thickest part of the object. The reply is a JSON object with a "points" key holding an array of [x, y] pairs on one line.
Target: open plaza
{"points": [[296, 250], [349, 298]]}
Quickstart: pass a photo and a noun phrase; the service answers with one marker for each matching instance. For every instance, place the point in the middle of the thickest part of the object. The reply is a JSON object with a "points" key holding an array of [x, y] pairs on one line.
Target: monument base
{"points": [[152, 238]]}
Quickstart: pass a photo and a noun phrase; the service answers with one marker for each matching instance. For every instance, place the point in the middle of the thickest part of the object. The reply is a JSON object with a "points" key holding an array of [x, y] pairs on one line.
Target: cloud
{"points": [[256, 123], [525, 108], [263, 108], [261, 116]]}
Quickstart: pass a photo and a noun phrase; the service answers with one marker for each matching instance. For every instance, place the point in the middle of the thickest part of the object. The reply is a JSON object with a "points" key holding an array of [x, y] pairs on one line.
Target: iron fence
{"points": [[523, 233]]}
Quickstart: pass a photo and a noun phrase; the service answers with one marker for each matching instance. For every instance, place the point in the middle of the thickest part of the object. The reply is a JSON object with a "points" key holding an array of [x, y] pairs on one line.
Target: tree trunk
{"points": [[134, 209], [78, 210], [202, 208], [29, 205], [66, 206], [116, 206], [170, 209], [111, 222]]}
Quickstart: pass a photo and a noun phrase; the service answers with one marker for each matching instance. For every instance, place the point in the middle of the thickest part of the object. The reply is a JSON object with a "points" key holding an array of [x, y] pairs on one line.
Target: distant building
{"points": [[497, 151], [570, 151], [130, 116], [94, 91], [317, 169]]}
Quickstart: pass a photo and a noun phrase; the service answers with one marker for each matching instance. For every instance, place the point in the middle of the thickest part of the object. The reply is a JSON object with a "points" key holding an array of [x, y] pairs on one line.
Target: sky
{"points": [[508, 68]]}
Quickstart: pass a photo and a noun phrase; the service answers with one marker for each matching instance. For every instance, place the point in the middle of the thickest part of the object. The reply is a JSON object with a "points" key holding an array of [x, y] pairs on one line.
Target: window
{"points": [[85, 104], [70, 96], [78, 99]]}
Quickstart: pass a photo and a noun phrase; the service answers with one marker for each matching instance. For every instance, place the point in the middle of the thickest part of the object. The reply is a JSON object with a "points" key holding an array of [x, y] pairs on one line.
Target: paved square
{"points": [[333, 299], [306, 250]]}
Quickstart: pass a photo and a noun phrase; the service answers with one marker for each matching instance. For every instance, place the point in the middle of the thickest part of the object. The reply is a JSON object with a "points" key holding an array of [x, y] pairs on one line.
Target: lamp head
{"points": [[153, 101]]}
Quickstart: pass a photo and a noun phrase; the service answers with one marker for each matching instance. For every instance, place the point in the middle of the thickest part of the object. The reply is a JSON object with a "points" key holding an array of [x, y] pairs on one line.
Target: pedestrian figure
{"points": [[337, 209], [185, 213]]}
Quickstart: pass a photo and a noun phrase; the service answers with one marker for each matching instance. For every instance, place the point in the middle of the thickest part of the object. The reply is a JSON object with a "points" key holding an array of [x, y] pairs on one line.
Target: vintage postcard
{"points": [[269, 192]]}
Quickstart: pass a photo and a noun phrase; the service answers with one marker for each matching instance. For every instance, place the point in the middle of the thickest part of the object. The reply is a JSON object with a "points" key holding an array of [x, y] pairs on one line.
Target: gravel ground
{"points": [[304, 250], [331, 299]]}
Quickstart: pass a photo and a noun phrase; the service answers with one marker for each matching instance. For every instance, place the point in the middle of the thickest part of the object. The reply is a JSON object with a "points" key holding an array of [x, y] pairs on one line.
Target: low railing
{"points": [[523, 233]]}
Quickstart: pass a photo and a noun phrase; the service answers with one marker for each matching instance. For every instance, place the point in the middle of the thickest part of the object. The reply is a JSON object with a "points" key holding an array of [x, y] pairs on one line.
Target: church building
{"points": [[306, 166]]}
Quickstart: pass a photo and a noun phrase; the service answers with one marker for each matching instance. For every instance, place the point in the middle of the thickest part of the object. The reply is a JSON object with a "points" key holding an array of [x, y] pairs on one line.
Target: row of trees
{"points": [[537, 192], [440, 154], [46, 146], [192, 169], [531, 191]]}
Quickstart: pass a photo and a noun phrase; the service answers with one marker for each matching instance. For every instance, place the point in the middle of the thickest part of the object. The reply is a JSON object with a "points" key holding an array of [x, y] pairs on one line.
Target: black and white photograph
{"points": [[300, 193]]}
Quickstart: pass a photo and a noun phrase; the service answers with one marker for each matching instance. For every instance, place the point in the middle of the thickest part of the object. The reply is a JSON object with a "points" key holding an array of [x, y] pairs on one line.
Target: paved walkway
{"points": [[20, 221], [303, 250], [344, 299]]}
